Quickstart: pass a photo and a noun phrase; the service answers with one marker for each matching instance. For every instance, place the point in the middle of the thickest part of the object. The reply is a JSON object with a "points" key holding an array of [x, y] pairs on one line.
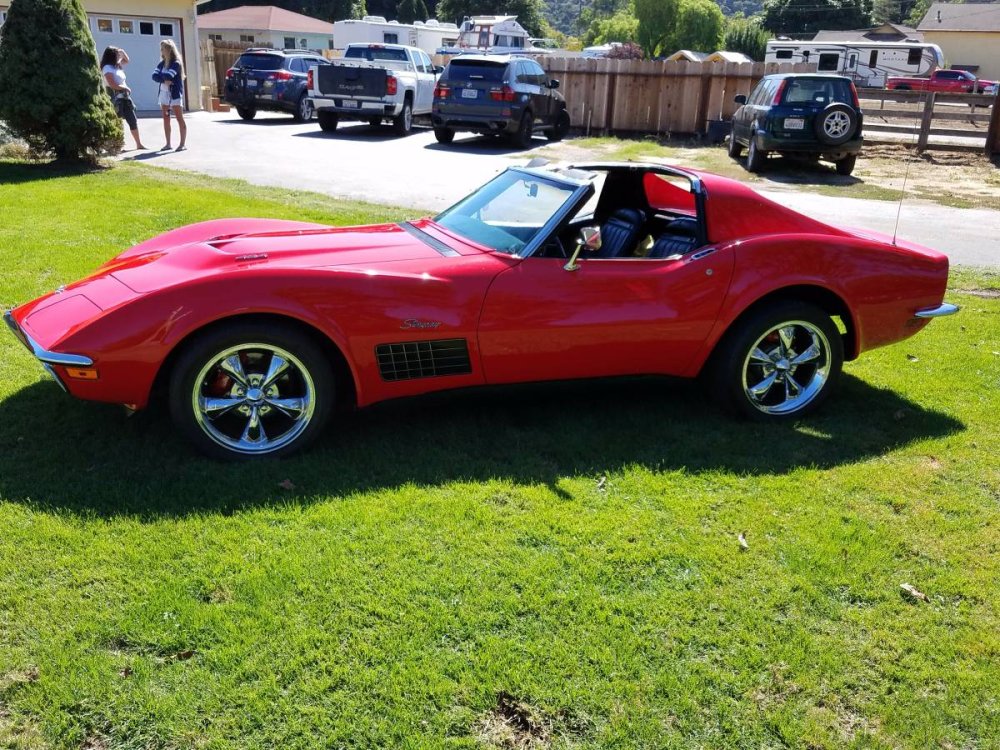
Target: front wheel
{"points": [[250, 390], [735, 149], [778, 363], [328, 121], [403, 122], [560, 128], [246, 113], [755, 157], [303, 109]]}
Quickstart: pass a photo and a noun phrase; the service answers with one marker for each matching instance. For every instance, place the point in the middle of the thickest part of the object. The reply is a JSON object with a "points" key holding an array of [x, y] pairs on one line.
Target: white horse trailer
{"points": [[867, 63], [426, 35]]}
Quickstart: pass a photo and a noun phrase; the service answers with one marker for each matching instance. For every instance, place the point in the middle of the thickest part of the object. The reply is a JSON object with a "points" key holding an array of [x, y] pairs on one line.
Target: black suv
{"points": [[499, 95], [801, 114], [271, 79]]}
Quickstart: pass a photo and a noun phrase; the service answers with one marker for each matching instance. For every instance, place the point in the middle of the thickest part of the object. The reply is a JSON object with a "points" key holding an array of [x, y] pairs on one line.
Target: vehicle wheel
{"points": [[560, 128], [836, 124], [778, 363], [246, 113], [522, 138], [755, 157], [374, 121], [403, 122], [735, 149], [444, 135], [845, 166], [250, 390], [303, 109], [327, 121]]}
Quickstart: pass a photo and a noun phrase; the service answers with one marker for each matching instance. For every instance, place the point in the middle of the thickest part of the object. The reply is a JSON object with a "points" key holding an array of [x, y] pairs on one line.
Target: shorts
{"points": [[165, 100]]}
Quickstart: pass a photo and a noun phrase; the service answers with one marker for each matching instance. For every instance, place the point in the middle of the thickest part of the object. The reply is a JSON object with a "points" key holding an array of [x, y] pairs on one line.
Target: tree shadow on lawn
{"points": [[60, 454], [14, 173]]}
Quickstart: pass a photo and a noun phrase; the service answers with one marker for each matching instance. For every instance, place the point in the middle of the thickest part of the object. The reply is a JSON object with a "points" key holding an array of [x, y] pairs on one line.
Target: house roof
{"points": [[727, 56], [263, 18], [961, 17], [690, 55], [887, 32]]}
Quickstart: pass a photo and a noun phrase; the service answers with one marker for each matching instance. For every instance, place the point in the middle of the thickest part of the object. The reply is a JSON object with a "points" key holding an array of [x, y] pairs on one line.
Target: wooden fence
{"points": [[932, 120]]}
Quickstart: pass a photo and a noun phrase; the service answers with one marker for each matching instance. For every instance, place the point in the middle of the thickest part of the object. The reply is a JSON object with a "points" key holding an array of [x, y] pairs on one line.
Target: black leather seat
{"points": [[620, 233], [680, 237]]}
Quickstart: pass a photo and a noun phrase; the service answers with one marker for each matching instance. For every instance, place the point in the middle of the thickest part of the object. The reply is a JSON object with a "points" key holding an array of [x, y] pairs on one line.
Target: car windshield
{"points": [[818, 91], [260, 62], [507, 212], [373, 54], [475, 70]]}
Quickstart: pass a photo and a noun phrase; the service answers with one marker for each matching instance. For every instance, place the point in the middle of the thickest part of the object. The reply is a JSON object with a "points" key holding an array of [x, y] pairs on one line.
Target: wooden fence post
{"points": [[925, 122], [993, 136]]}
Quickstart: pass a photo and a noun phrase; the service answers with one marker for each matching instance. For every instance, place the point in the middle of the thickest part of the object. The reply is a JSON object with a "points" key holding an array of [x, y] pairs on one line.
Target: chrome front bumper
{"points": [[940, 311], [44, 356]]}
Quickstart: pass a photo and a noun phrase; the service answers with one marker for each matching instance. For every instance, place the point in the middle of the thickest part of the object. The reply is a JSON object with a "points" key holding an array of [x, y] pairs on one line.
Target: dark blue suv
{"points": [[799, 113], [271, 79]]}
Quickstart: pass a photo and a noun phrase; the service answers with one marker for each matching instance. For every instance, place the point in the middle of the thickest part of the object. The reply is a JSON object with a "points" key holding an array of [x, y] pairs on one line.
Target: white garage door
{"points": [[140, 37]]}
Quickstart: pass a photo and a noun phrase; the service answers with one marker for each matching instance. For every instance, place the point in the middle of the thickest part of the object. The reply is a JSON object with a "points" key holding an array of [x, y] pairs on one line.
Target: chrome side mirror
{"points": [[590, 238]]}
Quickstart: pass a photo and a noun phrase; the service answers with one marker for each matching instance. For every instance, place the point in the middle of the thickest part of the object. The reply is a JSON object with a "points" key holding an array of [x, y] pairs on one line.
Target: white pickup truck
{"points": [[374, 82]]}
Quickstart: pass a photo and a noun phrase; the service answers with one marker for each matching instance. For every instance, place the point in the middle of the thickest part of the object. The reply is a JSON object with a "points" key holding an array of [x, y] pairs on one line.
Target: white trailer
{"points": [[426, 35], [867, 63]]}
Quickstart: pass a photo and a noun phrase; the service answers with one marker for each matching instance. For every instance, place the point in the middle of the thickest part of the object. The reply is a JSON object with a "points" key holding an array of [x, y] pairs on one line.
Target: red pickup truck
{"points": [[954, 81]]}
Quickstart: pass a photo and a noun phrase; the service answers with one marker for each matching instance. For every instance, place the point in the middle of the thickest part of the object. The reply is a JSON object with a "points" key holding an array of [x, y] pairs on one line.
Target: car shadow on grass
{"points": [[60, 454]]}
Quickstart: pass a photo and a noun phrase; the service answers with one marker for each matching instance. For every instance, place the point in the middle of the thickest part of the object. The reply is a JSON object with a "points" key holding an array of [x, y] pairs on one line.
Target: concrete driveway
{"points": [[417, 173]]}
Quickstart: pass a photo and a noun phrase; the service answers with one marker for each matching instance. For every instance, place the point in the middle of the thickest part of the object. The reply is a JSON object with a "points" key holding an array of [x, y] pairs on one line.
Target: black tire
{"points": [[560, 127], [522, 136], [444, 135], [755, 156], [403, 122], [845, 166], [246, 113], [328, 121], [735, 149], [253, 417], [303, 109], [374, 122], [803, 357], [836, 124]]}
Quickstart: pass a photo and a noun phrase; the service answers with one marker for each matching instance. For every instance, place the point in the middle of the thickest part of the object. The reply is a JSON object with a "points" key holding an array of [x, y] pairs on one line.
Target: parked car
{"points": [[799, 113], [273, 80], [498, 95], [256, 328], [955, 81], [374, 82]]}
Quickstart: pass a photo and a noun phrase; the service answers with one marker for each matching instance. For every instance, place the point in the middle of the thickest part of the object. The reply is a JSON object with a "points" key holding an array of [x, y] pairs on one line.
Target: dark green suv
{"points": [[796, 113]]}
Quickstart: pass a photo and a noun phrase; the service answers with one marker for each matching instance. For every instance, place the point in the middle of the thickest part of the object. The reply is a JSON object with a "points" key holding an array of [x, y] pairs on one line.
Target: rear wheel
{"points": [[444, 135], [778, 363], [250, 390], [522, 136], [403, 122], [560, 127], [755, 157], [845, 166], [246, 113], [303, 109], [328, 121]]}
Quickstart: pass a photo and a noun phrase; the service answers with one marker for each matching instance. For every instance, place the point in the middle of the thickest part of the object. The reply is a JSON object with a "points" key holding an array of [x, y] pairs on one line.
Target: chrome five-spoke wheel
{"points": [[778, 362], [256, 390]]}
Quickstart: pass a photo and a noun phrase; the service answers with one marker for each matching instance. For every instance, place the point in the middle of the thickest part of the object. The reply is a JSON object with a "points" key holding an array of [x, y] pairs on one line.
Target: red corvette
{"points": [[255, 328]]}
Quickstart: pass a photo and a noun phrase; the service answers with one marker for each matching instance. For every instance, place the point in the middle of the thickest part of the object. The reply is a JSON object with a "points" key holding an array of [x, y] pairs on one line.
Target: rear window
{"points": [[475, 70], [260, 61], [373, 54], [817, 91]]}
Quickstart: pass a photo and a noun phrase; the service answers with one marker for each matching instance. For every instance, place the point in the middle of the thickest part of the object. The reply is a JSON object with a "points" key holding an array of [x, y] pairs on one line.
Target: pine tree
{"points": [[409, 11], [51, 89]]}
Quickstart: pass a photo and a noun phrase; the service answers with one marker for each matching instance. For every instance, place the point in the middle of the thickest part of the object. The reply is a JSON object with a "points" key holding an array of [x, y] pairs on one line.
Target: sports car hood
{"points": [[151, 266]]}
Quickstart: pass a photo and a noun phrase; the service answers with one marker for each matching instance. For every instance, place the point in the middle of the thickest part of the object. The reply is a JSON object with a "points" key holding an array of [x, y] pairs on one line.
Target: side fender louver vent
{"points": [[423, 359]]}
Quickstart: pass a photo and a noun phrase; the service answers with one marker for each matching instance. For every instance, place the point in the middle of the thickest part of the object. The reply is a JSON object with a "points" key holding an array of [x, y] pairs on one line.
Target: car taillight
{"points": [[229, 74], [854, 96], [779, 92], [441, 91], [505, 94], [390, 85], [281, 75], [309, 79]]}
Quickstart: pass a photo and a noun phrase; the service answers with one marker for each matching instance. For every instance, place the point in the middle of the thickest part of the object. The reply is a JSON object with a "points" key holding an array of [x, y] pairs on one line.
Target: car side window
{"points": [[428, 64], [539, 73], [296, 65]]}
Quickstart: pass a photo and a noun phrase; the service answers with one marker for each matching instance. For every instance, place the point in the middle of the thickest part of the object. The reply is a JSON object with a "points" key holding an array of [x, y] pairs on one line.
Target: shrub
{"points": [[51, 90]]}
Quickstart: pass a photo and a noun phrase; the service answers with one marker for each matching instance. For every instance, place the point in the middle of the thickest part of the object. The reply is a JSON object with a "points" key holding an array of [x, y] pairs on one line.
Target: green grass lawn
{"points": [[544, 566]]}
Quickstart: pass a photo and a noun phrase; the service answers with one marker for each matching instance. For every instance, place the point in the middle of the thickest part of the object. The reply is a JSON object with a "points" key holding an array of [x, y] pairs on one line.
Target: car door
{"points": [[615, 316], [426, 79], [741, 118], [545, 99], [527, 86]]}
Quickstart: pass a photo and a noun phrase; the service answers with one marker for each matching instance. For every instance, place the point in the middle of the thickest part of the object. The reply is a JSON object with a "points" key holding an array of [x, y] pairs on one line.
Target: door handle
{"points": [[703, 253]]}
